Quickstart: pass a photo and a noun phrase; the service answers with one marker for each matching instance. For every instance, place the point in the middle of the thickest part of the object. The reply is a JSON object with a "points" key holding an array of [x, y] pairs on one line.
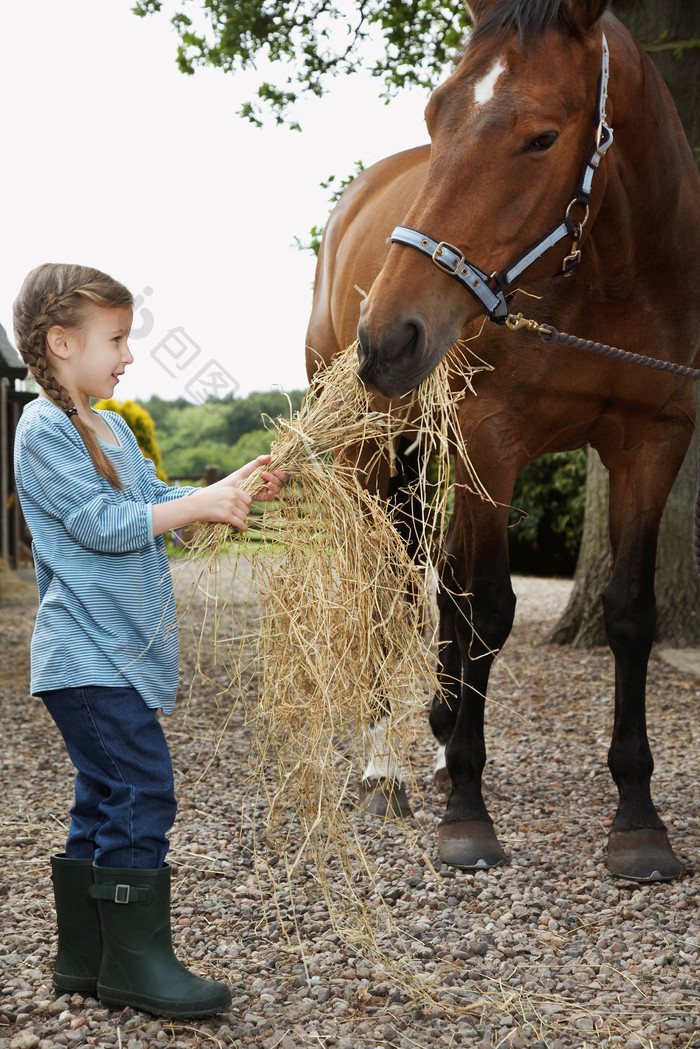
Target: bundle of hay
{"points": [[338, 641]]}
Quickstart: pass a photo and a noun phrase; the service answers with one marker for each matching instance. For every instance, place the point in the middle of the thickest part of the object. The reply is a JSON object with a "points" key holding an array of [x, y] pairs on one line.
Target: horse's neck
{"points": [[652, 190]]}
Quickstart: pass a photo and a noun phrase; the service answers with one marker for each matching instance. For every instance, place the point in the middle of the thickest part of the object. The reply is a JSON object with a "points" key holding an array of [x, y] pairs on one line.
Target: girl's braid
{"points": [[34, 354], [55, 294]]}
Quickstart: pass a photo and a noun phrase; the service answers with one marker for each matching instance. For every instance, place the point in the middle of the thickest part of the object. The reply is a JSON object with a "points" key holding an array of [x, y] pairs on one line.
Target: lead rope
{"points": [[516, 322]]}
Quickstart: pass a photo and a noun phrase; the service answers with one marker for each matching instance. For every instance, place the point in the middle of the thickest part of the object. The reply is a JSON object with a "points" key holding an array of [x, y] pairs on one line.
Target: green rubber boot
{"points": [[79, 940], [138, 966]]}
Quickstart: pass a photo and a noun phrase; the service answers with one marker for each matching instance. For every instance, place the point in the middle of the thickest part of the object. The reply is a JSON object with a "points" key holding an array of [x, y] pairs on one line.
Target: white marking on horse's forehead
{"points": [[485, 89]]}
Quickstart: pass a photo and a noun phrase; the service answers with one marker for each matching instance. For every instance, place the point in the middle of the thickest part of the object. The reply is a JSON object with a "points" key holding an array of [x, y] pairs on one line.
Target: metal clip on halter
{"points": [[516, 322], [572, 260]]}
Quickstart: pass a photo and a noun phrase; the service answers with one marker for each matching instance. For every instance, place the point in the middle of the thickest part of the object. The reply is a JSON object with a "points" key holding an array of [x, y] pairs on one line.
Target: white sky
{"points": [[113, 158]]}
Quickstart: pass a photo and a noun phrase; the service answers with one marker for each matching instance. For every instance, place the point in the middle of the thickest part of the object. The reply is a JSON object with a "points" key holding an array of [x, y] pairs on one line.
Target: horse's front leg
{"points": [[638, 845], [383, 787], [480, 618]]}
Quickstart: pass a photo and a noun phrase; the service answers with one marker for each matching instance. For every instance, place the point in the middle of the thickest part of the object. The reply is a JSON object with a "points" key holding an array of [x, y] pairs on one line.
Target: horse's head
{"points": [[510, 131]]}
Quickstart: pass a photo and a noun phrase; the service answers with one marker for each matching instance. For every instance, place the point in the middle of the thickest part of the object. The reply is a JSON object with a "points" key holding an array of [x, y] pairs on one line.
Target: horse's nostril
{"points": [[364, 364], [389, 360], [363, 356]]}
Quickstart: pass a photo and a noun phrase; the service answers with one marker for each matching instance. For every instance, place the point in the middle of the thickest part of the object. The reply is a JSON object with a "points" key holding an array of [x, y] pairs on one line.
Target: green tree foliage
{"points": [[141, 425], [251, 445], [551, 492], [401, 42], [226, 433]]}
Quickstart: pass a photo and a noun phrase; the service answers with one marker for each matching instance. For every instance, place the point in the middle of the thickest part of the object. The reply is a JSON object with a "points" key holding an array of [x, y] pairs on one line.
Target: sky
{"points": [[113, 158]]}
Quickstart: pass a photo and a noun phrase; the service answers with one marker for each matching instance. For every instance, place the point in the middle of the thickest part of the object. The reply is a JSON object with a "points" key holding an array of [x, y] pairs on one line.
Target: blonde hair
{"points": [[62, 294]]}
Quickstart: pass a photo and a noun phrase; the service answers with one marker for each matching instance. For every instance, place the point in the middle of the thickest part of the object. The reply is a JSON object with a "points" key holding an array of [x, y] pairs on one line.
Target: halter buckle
{"points": [[603, 138], [450, 267]]}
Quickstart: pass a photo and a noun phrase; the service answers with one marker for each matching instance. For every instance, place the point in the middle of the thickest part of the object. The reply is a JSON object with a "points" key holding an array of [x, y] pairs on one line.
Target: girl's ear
{"points": [[57, 342], [587, 12]]}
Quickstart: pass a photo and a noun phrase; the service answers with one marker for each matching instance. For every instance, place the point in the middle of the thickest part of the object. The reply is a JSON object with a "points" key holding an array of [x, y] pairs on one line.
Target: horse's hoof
{"points": [[443, 780], [642, 854], [384, 797], [470, 844]]}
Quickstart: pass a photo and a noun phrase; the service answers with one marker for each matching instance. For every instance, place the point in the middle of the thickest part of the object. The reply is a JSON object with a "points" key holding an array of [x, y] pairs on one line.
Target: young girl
{"points": [[104, 650]]}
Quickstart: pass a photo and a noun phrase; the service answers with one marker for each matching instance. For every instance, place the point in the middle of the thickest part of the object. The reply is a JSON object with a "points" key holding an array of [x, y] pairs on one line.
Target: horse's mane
{"points": [[529, 19]]}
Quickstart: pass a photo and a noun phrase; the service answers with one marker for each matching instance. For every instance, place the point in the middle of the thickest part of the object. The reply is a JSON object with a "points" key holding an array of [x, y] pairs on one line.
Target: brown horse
{"points": [[519, 183]]}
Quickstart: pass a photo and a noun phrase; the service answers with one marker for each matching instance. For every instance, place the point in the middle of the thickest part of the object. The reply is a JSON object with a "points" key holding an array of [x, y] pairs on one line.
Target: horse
{"points": [[557, 166]]}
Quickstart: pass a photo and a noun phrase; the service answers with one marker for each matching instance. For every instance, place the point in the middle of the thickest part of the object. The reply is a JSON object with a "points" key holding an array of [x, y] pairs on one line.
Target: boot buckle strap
{"points": [[121, 892]]}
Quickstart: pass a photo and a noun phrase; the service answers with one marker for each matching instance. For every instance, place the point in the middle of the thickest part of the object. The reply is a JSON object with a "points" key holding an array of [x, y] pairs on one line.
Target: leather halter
{"points": [[490, 291]]}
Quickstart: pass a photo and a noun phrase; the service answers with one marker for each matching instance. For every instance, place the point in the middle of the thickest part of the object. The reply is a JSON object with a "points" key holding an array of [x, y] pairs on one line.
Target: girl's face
{"points": [[98, 353]]}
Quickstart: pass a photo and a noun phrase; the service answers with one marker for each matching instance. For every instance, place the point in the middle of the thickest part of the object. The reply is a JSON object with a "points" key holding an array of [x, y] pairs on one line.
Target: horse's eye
{"points": [[542, 142]]}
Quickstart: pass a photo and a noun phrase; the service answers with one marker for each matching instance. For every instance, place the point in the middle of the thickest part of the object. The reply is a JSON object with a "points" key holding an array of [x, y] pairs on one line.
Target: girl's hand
{"points": [[221, 504], [274, 480]]}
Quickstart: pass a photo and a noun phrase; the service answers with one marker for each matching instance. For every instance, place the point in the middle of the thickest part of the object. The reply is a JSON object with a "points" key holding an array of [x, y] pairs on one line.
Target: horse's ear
{"points": [[587, 12], [479, 8]]}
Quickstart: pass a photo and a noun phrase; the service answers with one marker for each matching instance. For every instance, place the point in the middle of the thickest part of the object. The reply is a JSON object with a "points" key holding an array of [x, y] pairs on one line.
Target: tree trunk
{"points": [[676, 582], [659, 25]]}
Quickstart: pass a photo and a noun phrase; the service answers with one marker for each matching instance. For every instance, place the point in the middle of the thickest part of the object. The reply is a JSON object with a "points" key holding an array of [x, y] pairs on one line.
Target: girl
{"points": [[104, 650]]}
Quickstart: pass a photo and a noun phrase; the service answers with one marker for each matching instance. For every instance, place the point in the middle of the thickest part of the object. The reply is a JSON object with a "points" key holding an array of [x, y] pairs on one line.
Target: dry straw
{"points": [[332, 641], [341, 635]]}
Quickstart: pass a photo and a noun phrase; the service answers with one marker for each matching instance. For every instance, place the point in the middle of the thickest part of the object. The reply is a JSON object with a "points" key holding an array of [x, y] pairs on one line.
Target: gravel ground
{"points": [[547, 952]]}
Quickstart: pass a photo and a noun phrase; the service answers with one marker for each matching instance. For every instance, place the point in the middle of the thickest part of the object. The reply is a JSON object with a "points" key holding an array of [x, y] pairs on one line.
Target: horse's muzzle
{"points": [[393, 363]]}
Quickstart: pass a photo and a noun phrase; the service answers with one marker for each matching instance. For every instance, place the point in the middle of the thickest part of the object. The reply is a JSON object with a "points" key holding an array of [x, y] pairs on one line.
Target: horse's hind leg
{"points": [[638, 845]]}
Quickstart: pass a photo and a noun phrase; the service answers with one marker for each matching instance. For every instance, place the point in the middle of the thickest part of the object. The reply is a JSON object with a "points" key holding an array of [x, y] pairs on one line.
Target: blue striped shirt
{"points": [[106, 604]]}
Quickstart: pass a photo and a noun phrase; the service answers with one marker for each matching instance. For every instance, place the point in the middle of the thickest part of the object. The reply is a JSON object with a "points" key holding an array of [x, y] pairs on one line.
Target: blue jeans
{"points": [[124, 790]]}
